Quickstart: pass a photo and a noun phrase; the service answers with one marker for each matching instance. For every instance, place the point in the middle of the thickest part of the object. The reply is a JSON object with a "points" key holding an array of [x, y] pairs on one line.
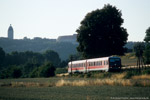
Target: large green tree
{"points": [[147, 37], [147, 49], [101, 33]]}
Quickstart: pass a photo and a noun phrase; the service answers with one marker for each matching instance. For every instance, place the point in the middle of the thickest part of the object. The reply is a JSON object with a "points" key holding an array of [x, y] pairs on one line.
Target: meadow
{"points": [[73, 93], [74, 88], [124, 85]]}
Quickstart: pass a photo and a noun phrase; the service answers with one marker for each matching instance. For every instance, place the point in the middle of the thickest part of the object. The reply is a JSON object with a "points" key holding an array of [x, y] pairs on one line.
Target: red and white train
{"points": [[96, 64]]}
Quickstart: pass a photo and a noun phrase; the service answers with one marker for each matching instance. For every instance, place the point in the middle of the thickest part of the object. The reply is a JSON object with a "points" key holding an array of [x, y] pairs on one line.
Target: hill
{"points": [[64, 49]]}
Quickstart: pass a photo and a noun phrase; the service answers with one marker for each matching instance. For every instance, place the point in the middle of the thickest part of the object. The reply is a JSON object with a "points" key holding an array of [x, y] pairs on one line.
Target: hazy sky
{"points": [[53, 18]]}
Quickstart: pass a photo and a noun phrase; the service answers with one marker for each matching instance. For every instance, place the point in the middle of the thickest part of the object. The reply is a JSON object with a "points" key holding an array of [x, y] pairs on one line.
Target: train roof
{"points": [[97, 59], [78, 61]]}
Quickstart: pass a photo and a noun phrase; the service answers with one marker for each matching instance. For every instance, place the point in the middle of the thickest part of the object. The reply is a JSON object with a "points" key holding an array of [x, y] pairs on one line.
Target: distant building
{"points": [[10, 32], [68, 38]]}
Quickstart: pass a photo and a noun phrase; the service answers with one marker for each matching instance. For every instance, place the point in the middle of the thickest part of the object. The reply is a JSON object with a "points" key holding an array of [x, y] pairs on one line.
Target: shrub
{"points": [[61, 70], [16, 72], [34, 73], [131, 73], [47, 70], [147, 71]]}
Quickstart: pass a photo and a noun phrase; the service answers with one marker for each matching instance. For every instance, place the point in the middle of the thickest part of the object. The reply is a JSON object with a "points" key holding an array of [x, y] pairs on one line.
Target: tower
{"points": [[10, 32]]}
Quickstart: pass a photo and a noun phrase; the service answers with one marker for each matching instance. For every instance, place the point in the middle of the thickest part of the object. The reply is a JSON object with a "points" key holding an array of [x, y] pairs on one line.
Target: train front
{"points": [[114, 64]]}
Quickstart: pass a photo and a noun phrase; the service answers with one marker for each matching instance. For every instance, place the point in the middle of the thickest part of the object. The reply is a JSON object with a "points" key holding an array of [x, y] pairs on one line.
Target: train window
{"points": [[101, 63], [96, 64], [92, 63], [107, 62]]}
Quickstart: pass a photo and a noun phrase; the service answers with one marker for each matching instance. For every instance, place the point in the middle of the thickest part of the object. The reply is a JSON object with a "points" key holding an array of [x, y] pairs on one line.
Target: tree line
{"points": [[29, 64], [38, 45]]}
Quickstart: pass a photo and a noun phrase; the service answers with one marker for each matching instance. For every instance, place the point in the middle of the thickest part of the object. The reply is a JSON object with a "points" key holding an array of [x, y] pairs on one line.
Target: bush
{"points": [[61, 70], [131, 73], [47, 70], [87, 75], [147, 71], [11, 72], [34, 73], [16, 72]]}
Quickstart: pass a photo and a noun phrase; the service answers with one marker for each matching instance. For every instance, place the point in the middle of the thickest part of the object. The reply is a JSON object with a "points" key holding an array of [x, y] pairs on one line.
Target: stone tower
{"points": [[10, 32]]}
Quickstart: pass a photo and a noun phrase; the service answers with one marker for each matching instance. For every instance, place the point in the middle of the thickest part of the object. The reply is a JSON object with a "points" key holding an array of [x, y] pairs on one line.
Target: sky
{"points": [[53, 18]]}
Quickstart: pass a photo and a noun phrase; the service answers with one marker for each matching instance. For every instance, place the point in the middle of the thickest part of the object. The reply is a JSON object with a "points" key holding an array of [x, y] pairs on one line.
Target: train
{"points": [[96, 64]]}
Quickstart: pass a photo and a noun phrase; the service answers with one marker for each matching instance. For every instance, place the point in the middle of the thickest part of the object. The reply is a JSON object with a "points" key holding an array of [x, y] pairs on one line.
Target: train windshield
{"points": [[114, 61]]}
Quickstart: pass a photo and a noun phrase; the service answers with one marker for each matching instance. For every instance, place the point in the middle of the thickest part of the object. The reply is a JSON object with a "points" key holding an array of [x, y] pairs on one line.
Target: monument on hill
{"points": [[10, 32]]}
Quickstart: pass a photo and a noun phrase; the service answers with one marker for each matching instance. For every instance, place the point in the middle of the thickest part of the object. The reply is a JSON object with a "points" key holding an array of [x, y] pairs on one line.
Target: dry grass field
{"points": [[74, 88]]}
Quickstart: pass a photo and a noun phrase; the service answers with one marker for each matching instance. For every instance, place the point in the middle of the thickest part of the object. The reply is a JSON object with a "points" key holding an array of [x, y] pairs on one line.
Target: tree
{"points": [[147, 49], [16, 72], [52, 56], [147, 54], [147, 37], [47, 70], [139, 49], [2, 56], [101, 34]]}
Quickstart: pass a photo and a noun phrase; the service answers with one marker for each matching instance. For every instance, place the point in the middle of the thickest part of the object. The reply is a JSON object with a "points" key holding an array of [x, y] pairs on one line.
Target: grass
{"points": [[125, 78], [105, 86], [129, 59], [141, 77], [102, 82], [72, 93]]}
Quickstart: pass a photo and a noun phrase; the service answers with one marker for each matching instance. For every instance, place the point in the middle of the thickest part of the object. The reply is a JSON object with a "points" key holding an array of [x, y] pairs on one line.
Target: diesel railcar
{"points": [[95, 64]]}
